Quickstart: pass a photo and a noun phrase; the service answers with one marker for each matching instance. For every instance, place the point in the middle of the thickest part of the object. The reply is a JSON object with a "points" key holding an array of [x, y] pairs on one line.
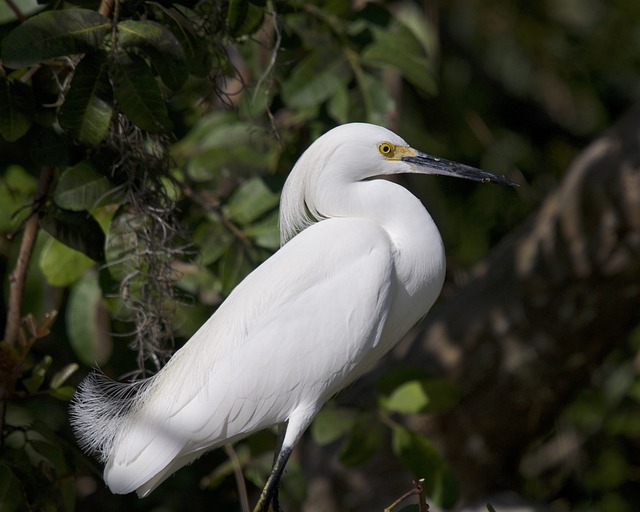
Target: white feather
{"points": [[362, 263]]}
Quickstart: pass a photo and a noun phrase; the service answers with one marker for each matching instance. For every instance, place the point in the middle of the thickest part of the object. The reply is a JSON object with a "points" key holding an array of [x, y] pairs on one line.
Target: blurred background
{"points": [[140, 179]]}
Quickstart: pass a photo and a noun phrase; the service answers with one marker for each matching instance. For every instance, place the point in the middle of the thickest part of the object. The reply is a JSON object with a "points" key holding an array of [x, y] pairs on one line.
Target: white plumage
{"points": [[362, 262]]}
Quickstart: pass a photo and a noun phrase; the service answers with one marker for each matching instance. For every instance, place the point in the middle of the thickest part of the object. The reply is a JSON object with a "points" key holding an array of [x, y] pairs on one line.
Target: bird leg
{"points": [[269, 495], [275, 499]]}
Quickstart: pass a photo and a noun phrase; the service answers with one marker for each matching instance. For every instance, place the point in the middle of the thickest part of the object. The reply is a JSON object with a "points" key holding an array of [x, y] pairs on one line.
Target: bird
{"points": [[361, 262]]}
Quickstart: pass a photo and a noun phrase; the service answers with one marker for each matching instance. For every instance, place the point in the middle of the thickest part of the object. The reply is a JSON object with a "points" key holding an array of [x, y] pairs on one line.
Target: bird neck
{"points": [[419, 248]]}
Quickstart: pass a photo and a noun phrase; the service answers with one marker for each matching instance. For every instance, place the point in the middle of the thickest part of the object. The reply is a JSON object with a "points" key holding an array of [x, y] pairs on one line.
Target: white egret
{"points": [[361, 262]]}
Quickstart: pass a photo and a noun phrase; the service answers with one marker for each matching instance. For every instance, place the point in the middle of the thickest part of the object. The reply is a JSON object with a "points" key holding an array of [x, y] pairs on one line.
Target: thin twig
{"points": [[19, 274], [418, 490], [237, 472], [21, 17], [106, 6]]}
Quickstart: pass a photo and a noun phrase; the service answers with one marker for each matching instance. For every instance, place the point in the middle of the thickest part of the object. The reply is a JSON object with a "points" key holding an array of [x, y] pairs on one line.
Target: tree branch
{"points": [[19, 274]]}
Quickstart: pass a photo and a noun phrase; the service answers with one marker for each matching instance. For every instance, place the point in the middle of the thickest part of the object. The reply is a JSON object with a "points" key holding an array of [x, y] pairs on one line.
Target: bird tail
{"points": [[98, 409]]}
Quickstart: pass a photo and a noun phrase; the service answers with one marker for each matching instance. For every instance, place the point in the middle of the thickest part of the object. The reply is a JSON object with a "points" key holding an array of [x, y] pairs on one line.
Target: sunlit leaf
{"points": [[251, 200], [64, 393], [87, 109], [38, 372], [86, 332], [60, 377], [54, 34], [16, 189], [421, 396], [160, 45], [138, 94], [62, 265], [80, 187], [408, 398]]}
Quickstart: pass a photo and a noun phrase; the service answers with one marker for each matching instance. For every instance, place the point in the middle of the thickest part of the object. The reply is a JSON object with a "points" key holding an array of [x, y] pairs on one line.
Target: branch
{"points": [[21, 17], [19, 274], [106, 6]]}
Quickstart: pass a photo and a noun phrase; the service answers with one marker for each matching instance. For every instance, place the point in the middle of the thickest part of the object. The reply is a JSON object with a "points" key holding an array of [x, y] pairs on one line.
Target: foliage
{"points": [[169, 127]]}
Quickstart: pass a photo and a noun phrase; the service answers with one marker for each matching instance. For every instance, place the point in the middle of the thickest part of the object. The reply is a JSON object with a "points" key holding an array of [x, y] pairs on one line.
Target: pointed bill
{"points": [[428, 164]]}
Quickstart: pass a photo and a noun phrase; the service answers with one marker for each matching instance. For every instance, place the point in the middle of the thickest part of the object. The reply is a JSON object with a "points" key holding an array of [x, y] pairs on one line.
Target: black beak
{"points": [[428, 164]]}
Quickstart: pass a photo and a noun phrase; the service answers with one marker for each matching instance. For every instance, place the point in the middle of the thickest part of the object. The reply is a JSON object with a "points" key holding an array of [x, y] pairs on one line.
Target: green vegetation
{"points": [[143, 146]]}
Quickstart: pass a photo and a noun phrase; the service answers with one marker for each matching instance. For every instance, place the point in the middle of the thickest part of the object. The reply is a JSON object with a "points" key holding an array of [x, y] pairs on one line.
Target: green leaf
{"points": [[443, 394], [122, 243], [421, 396], [219, 141], [16, 113], [397, 46], [87, 109], [198, 56], [38, 373], [408, 398], [160, 45], [65, 393], [234, 267], [138, 94], [54, 34], [16, 189], [60, 377], [244, 17], [81, 187], [77, 230], [365, 439], [338, 106], [61, 265], [12, 497], [331, 423], [420, 456], [85, 310], [316, 79], [27, 8], [265, 233], [251, 200], [212, 240]]}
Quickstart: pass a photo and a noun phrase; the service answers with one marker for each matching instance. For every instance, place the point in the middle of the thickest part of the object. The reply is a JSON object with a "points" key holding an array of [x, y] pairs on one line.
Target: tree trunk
{"points": [[530, 326]]}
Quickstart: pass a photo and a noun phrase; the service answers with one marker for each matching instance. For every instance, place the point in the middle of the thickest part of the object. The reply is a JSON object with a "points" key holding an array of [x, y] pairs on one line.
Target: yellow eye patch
{"points": [[392, 152], [386, 149]]}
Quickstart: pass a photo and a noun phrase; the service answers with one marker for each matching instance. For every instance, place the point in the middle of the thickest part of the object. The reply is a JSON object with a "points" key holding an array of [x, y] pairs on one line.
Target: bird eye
{"points": [[386, 148]]}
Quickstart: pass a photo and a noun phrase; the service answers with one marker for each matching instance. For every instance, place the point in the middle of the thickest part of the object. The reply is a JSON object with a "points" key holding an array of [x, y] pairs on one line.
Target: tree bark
{"points": [[530, 326]]}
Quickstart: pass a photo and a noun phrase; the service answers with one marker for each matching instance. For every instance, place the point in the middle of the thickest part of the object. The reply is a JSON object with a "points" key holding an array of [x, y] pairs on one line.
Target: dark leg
{"points": [[269, 494], [275, 499]]}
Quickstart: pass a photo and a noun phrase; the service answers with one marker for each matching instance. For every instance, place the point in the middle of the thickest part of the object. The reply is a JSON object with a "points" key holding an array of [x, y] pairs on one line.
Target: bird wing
{"points": [[288, 337]]}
